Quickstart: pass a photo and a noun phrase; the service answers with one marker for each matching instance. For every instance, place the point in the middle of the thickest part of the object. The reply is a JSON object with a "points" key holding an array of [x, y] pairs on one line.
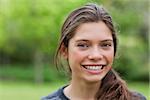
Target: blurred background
{"points": [[29, 32]]}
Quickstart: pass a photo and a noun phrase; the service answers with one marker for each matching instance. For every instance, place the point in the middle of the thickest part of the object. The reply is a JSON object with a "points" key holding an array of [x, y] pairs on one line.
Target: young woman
{"points": [[89, 43]]}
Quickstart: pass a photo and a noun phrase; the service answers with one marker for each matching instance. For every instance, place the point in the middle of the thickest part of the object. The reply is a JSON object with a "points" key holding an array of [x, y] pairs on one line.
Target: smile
{"points": [[93, 67]]}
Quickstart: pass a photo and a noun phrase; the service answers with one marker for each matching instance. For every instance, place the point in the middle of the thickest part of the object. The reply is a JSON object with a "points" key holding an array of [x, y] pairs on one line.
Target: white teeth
{"points": [[93, 67]]}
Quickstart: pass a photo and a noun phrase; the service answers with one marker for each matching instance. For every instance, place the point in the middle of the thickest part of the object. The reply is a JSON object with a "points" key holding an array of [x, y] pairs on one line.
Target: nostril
{"points": [[95, 57]]}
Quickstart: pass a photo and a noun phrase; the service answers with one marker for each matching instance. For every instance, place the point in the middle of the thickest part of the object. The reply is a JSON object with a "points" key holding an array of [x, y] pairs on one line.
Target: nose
{"points": [[95, 54]]}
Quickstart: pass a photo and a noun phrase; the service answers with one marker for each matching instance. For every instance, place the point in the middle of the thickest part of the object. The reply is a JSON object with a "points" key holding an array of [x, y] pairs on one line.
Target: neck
{"points": [[82, 90]]}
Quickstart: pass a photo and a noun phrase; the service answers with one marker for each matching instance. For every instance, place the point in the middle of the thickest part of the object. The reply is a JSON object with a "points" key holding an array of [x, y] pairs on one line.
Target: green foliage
{"points": [[34, 24], [132, 59], [27, 73]]}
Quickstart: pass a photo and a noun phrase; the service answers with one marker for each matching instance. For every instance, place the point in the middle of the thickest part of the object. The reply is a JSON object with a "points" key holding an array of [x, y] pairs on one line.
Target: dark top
{"points": [[59, 95]]}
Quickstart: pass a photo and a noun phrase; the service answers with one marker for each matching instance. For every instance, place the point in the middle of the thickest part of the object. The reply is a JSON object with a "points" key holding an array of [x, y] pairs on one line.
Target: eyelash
{"points": [[82, 45], [103, 45], [106, 45]]}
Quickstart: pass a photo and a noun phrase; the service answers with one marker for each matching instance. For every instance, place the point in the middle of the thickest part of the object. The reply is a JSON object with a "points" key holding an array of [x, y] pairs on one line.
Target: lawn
{"points": [[25, 91], [31, 91], [140, 87]]}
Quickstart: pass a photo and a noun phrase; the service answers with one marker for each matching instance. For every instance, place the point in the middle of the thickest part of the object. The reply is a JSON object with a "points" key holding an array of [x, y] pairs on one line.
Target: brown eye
{"points": [[82, 46], [106, 45]]}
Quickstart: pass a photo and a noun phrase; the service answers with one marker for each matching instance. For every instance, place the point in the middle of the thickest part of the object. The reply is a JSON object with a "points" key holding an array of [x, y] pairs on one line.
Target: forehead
{"points": [[93, 31]]}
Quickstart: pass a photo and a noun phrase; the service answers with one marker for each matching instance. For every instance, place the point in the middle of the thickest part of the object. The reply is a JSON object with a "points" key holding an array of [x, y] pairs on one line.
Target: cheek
{"points": [[110, 56], [75, 56]]}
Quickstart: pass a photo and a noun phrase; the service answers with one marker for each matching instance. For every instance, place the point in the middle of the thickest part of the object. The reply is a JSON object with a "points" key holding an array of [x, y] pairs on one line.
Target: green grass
{"points": [[31, 91], [140, 87], [25, 91]]}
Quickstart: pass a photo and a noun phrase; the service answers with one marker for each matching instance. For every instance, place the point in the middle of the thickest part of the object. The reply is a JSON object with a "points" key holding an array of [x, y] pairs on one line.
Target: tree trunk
{"points": [[38, 67]]}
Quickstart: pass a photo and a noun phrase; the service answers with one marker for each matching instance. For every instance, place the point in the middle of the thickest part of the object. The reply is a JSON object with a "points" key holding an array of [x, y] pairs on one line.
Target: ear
{"points": [[64, 51]]}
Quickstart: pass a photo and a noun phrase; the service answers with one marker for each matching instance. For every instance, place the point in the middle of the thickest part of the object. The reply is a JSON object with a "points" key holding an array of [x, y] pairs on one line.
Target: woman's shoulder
{"points": [[138, 95], [52, 96], [57, 95]]}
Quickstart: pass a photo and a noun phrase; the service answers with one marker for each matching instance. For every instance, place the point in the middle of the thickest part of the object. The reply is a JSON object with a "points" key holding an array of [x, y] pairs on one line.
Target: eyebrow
{"points": [[84, 40], [107, 40]]}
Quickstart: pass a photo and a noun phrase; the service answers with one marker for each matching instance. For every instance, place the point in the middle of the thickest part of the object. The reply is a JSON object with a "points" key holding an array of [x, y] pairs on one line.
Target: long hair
{"points": [[112, 87]]}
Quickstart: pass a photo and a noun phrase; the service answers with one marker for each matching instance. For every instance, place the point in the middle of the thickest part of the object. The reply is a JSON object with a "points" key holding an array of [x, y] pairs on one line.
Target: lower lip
{"points": [[93, 71]]}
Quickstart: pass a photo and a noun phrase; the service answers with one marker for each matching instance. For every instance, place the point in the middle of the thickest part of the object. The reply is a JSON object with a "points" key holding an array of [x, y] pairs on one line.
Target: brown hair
{"points": [[112, 87]]}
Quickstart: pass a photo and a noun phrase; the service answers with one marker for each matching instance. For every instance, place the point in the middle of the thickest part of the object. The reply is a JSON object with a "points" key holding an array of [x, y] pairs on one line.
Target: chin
{"points": [[93, 79]]}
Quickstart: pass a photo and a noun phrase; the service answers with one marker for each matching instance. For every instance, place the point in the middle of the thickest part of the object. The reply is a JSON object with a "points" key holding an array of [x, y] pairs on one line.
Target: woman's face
{"points": [[90, 52]]}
